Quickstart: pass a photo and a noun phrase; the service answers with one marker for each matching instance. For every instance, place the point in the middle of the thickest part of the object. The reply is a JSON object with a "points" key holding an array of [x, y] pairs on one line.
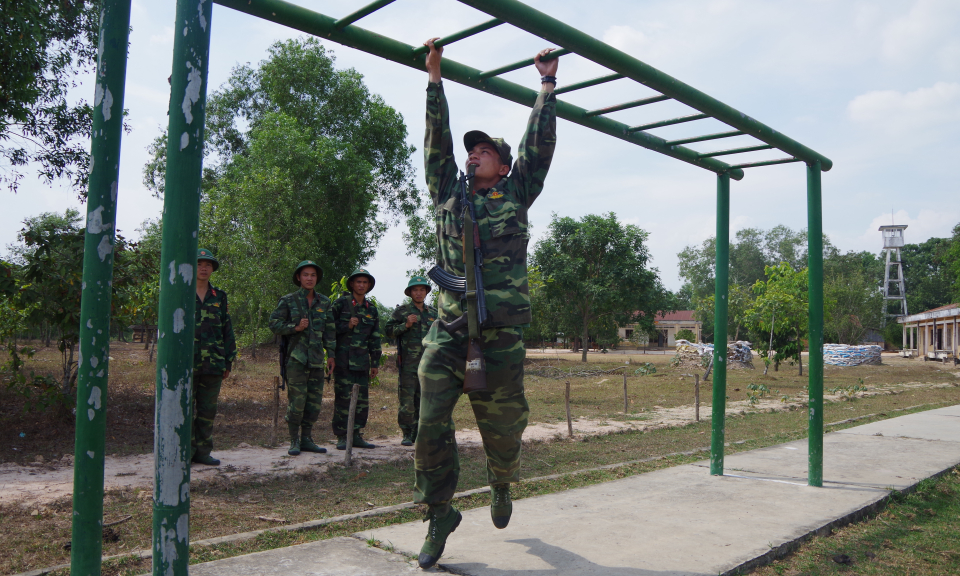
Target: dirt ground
{"points": [[37, 449]]}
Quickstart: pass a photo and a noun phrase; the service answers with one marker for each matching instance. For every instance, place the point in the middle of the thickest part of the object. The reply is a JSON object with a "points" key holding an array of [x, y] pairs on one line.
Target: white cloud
{"points": [[895, 111], [927, 29], [927, 224]]}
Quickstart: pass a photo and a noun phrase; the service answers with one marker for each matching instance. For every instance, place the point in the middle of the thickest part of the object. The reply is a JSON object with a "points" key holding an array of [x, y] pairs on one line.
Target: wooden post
{"points": [[626, 401], [276, 409], [347, 458], [569, 422], [696, 397]]}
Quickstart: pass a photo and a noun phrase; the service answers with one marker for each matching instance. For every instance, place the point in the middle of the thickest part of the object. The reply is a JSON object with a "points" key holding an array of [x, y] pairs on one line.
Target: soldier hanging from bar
{"points": [[492, 294]]}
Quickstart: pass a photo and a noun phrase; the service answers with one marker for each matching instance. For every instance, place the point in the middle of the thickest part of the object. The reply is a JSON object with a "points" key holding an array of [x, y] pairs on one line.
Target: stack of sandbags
{"points": [[739, 354], [846, 355]]}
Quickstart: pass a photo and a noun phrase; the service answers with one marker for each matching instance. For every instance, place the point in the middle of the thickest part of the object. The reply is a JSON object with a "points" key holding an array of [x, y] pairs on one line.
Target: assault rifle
{"points": [[471, 286]]}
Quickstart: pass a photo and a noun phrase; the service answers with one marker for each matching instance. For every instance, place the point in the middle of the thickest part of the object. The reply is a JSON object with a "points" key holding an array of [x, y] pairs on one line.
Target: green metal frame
{"points": [[181, 222], [96, 289]]}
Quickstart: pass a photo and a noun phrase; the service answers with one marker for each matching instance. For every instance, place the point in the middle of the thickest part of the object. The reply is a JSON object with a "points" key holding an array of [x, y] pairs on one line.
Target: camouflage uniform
{"points": [[501, 212], [409, 352], [305, 362], [214, 350], [358, 350]]}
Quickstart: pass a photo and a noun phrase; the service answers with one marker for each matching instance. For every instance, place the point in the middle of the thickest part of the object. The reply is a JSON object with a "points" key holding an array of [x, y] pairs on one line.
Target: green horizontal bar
{"points": [[447, 40], [670, 122], [705, 137], [588, 83], [552, 30], [361, 13], [522, 64], [322, 26], [736, 151], [767, 163], [625, 105]]}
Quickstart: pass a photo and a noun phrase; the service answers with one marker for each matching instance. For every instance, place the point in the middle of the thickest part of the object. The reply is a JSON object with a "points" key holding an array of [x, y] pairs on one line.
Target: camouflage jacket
{"points": [[410, 340], [308, 345], [214, 346], [501, 210], [357, 348]]}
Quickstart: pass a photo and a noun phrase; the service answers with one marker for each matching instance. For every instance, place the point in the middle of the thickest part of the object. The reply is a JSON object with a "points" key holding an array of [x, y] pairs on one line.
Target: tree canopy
{"points": [[303, 162], [596, 275], [46, 47]]}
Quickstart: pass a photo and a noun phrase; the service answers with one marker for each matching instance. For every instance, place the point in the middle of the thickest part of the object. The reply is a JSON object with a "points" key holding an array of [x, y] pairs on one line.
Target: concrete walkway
{"points": [[677, 521]]}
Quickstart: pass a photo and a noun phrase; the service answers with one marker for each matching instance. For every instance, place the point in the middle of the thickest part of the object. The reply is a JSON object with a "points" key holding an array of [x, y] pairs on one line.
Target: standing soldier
{"points": [[501, 198], [304, 318], [358, 356], [409, 324], [214, 350]]}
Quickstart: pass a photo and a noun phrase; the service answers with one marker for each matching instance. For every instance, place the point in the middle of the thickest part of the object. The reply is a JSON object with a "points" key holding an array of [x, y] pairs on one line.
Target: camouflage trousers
{"points": [[343, 387], [501, 411], [206, 389], [304, 394], [408, 392]]}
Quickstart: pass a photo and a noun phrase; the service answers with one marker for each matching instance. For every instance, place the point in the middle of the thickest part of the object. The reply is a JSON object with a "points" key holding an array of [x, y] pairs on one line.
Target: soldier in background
{"points": [[358, 356], [501, 197], [408, 325], [305, 318], [214, 350]]}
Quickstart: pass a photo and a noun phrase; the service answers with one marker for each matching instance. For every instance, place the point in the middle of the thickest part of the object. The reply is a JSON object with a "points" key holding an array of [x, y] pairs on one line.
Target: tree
{"points": [[780, 308], [46, 47], [927, 274], [852, 296], [302, 162], [597, 274], [953, 263]]}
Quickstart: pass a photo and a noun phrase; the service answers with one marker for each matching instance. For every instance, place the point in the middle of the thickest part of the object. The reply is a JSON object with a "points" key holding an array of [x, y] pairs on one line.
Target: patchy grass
{"points": [[916, 534], [35, 538], [222, 506]]}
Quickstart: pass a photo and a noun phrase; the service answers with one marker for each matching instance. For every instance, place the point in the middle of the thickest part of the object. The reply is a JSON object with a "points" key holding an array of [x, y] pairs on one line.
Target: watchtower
{"points": [[892, 243]]}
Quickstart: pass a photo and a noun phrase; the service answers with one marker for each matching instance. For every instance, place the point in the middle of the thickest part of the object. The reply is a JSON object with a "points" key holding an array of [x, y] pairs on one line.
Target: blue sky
{"points": [[875, 86]]}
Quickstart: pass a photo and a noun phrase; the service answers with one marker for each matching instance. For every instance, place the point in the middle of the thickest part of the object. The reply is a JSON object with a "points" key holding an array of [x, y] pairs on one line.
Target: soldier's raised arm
{"points": [[439, 165]]}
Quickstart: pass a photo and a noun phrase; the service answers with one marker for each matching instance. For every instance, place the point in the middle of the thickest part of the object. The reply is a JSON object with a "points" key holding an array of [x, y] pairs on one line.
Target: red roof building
{"points": [[668, 324]]}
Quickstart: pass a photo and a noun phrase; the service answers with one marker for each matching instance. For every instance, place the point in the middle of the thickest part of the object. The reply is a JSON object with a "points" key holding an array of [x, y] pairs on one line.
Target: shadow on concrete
{"points": [[563, 562]]}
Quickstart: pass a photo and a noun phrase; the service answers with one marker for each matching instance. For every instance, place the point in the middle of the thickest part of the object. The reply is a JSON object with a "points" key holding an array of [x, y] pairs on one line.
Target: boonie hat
{"points": [[204, 254], [306, 264]]}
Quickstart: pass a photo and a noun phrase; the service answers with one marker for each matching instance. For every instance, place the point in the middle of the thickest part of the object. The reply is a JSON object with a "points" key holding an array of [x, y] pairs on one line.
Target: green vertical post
{"points": [[96, 287], [718, 420], [815, 312], [181, 216]]}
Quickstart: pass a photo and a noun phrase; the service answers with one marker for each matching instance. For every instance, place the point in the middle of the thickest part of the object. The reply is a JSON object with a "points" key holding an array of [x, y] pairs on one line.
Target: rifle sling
{"points": [[469, 235]]}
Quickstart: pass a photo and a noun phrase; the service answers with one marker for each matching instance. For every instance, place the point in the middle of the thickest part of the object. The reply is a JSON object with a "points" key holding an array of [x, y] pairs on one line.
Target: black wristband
{"points": [[548, 80]]}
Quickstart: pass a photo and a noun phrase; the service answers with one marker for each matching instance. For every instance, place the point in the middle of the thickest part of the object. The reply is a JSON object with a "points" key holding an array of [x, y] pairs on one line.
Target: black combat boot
{"points": [[294, 449], [341, 442], [500, 505], [441, 526], [205, 459], [408, 436]]}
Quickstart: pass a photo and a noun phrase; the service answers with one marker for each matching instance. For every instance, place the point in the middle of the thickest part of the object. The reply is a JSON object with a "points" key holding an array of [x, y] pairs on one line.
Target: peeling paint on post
{"points": [[181, 212], [720, 325], [96, 287]]}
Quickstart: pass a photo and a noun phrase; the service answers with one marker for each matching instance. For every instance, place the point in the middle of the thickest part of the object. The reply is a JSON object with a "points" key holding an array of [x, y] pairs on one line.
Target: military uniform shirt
{"points": [[410, 345], [307, 346], [357, 348], [501, 210], [214, 345]]}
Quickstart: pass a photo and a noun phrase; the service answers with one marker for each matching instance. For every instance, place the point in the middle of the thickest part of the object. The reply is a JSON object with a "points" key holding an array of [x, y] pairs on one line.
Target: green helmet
{"points": [[306, 264], [204, 254], [362, 272], [417, 281]]}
